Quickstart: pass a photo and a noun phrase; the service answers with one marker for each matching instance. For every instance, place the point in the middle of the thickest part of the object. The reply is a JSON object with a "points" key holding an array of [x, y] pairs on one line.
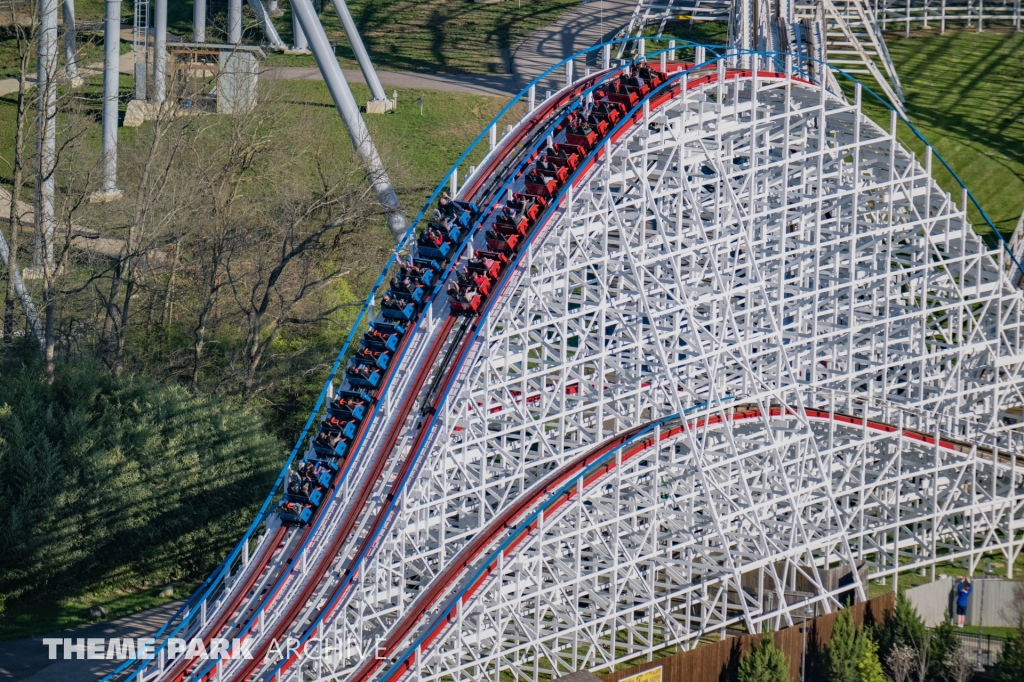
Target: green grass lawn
{"points": [[441, 36], [29, 619], [965, 92]]}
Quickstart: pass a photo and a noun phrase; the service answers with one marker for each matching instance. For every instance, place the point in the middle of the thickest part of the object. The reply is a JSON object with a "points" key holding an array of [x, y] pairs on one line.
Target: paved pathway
{"points": [[27, 659], [577, 29], [497, 85]]}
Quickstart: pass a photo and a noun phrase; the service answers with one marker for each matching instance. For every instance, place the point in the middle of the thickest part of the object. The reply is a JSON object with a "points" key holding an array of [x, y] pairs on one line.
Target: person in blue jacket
{"points": [[963, 593]]}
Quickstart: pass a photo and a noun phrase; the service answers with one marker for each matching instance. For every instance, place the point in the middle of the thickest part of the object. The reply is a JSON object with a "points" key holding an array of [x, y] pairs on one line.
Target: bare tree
{"points": [[159, 197], [24, 21], [921, 656], [959, 667], [900, 662], [272, 286]]}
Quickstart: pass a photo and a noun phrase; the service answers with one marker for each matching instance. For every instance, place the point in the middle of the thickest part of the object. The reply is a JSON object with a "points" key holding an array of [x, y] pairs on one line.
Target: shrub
{"points": [[1010, 664], [902, 626], [764, 663], [109, 483], [869, 667], [845, 650]]}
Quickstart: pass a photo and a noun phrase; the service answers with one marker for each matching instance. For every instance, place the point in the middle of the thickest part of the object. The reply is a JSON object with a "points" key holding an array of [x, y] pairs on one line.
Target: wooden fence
{"points": [[718, 662]]}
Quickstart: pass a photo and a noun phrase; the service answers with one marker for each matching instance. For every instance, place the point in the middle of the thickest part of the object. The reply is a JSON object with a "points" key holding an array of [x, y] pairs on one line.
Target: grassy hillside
{"points": [[965, 92]]}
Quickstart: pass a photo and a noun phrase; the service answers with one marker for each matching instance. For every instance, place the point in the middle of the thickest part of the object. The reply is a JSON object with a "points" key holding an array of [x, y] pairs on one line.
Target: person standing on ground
{"points": [[963, 592]]}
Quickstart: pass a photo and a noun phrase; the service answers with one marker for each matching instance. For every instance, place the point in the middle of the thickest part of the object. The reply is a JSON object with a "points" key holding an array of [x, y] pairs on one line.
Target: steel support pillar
{"points": [[111, 81], [365, 65], [160, 52], [273, 37], [299, 41], [70, 40], [46, 121], [199, 21], [235, 21], [349, 110]]}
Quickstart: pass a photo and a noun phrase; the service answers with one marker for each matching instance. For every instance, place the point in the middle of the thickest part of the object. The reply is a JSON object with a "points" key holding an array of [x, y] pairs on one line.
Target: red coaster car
{"points": [[587, 140], [490, 263], [517, 223], [560, 173], [468, 304], [527, 208], [541, 186], [503, 228], [502, 243], [540, 201], [627, 99]]}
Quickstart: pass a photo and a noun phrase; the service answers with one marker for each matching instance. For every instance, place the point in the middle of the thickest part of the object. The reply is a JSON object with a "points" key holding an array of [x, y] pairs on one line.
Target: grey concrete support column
{"points": [[273, 37], [199, 21], [235, 21], [349, 111], [299, 36], [70, 41], [46, 121], [111, 81], [365, 65], [160, 52]]}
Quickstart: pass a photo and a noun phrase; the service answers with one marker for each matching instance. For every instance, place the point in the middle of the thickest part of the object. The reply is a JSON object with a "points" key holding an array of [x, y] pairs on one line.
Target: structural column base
{"points": [[380, 106]]}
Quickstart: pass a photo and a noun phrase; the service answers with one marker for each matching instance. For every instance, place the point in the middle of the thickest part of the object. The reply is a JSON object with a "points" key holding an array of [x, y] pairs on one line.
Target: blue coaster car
{"points": [[435, 252], [431, 269], [410, 287], [330, 444], [325, 480], [453, 230], [386, 335], [375, 353], [364, 375], [328, 463], [315, 497], [295, 515], [350, 405], [347, 428], [404, 313]]}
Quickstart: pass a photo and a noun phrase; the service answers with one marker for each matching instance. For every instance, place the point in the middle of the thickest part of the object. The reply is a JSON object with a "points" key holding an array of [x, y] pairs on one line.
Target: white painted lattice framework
{"points": [[755, 241]]}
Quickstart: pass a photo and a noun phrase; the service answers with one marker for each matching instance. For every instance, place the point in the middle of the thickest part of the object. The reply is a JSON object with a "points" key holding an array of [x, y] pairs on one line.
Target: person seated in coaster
{"points": [[579, 130], [432, 236], [454, 290], [409, 268], [546, 167], [535, 178], [392, 303]]}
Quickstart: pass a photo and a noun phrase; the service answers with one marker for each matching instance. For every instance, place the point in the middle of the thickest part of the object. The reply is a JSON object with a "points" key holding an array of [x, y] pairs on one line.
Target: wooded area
{"points": [[157, 351]]}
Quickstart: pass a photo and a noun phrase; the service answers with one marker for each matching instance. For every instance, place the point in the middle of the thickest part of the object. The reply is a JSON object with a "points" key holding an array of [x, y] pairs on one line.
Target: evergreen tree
{"points": [[120, 482], [902, 626], [764, 663], [845, 650], [1010, 665], [941, 648], [869, 667]]}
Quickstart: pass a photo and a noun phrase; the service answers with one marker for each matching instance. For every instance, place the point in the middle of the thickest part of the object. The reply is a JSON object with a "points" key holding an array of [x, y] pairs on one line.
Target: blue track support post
{"points": [[365, 65], [349, 110]]}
